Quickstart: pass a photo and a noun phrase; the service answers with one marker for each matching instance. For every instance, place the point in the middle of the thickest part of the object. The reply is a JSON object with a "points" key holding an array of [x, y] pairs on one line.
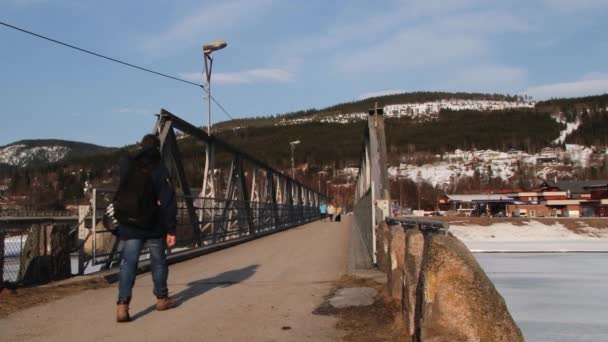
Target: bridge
{"points": [[255, 262], [258, 258]]}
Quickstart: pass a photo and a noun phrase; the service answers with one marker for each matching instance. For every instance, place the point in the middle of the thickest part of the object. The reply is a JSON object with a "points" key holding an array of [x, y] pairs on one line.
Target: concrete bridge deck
{"points": [[251, 292]]}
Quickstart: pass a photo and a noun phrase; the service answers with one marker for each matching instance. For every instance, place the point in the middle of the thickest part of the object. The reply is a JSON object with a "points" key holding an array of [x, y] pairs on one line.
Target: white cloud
{"points": [[413, 48], [244, 77], [207, 21], [413, 34], [592, 84], [381, 93]]}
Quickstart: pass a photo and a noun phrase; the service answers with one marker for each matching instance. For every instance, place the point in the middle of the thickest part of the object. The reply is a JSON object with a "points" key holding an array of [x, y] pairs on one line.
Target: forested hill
{"points": [[44, 168], [362, 106], [339, 145]]}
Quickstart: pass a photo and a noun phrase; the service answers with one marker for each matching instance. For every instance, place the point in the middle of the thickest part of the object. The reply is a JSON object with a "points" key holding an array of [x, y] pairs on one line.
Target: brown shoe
{"points": [[122, 313], [165, 303]]}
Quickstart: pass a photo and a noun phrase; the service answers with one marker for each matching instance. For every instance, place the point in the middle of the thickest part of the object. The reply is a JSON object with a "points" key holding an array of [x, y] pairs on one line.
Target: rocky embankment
{"points": [[443, 292]]}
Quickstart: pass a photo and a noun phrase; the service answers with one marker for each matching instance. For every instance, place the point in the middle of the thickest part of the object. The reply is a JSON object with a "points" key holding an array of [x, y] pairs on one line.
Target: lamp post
{"points": [[292, 145], [207, 50]]}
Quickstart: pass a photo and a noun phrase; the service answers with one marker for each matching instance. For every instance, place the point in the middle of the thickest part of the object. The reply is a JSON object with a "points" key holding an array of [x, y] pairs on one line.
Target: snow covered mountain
{"points": [[417, 112], [33, 152]]}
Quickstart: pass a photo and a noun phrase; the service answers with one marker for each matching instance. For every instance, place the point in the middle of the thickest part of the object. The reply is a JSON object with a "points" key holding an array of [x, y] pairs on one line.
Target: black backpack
{"points": [[135, 202]]}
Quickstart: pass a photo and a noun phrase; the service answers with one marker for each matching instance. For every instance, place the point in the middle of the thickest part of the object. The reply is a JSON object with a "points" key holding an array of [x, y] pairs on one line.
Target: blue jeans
{"points": [[128, 268]]}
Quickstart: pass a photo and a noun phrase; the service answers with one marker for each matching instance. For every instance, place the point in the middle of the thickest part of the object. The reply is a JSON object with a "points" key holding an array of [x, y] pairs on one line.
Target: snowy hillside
{"points": [[504, 165], [27, 152], [22, 155], [418, 112]]}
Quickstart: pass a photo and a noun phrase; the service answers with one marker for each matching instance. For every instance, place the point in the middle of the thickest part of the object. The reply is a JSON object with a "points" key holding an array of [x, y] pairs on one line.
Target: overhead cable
{"points": [[117, 61]]}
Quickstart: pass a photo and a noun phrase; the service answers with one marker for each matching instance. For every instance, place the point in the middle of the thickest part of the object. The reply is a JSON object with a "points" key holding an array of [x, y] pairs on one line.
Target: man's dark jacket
{"points": [[165, 193]]}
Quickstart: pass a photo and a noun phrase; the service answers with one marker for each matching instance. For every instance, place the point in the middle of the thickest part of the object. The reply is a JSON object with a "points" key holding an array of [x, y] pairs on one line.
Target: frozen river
{"points": [[555, 296]]}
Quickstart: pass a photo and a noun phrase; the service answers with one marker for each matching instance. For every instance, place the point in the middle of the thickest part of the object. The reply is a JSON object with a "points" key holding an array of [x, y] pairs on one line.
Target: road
{"points": [[263, 290]]}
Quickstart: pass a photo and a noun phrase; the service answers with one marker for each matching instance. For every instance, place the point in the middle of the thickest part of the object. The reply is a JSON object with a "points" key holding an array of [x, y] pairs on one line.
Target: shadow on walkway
{"points": [[198, 287]]}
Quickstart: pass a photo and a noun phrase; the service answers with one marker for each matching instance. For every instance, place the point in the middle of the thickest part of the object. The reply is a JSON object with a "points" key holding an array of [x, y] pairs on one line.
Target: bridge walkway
{"points": [[263, 290]]}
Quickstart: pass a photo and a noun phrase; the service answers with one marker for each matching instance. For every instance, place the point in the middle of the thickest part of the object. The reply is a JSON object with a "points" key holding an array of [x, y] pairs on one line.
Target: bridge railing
{"points": [[217, 220], [244, 198]]}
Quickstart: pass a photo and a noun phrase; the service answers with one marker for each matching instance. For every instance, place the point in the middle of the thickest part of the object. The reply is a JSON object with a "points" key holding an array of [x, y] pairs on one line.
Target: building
{"points": [[476, 204], [554, 199]]}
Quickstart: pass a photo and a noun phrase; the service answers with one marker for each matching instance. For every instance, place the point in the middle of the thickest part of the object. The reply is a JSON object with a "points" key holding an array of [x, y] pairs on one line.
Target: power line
{"points": [[100, 55], [117, 61], [222, 108]]}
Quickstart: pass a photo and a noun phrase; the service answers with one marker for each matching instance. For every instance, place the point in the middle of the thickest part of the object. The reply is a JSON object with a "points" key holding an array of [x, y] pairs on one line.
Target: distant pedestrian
{"points": [[146, 210], [338, 214], [323, 211], [331, 210]]}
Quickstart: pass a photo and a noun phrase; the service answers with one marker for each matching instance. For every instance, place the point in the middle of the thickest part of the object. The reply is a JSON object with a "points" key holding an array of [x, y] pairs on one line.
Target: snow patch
{"points": [[570, 127]]}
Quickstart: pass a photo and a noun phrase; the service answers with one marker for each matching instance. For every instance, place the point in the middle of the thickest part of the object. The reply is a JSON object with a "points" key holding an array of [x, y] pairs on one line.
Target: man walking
{"points": [[146, 210]]}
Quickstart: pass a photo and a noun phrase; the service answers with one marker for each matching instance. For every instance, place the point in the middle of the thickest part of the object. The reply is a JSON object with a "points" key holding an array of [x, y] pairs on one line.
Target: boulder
{"points": [[414, 249], [34, 261], [104, 240], [396, 260], [61, 244], [46, 255], [383, 238], [459, 301]]}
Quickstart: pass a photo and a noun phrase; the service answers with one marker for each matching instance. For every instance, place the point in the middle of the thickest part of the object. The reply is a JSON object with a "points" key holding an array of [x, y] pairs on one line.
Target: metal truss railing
{"points": [[244, 199], [220, 221]]}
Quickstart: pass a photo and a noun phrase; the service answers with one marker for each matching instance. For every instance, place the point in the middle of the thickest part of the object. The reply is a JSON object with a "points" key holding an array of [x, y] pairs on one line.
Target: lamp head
{"points": [[214, 46]]}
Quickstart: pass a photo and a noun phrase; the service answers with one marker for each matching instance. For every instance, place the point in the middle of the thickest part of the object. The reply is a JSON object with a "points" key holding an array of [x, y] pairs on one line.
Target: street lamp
{"points": [[292, 145], [207, 50]]}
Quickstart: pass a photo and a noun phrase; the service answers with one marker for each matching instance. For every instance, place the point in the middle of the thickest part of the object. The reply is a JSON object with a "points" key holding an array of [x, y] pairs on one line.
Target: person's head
{"points": [[150, 140]]}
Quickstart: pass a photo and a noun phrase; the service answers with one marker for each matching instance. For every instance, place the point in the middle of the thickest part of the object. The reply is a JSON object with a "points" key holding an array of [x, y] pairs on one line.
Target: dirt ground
{"points": [[379, 322], [15, 299]]}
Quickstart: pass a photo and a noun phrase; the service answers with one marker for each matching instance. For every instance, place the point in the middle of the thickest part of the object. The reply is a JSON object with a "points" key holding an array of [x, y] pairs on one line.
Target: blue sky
{"points": [[282, 56]]}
